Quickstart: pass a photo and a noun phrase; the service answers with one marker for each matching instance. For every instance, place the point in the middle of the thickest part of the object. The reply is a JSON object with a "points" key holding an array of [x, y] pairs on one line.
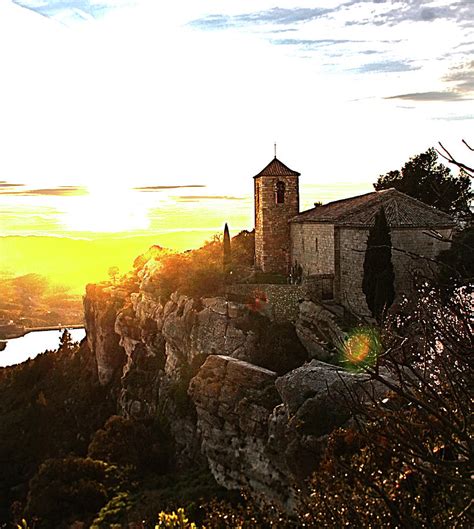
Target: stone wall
{"points": [[312, 245], [272, 231], [350, 255], [350, 269], [278, 302], [421, 247]]}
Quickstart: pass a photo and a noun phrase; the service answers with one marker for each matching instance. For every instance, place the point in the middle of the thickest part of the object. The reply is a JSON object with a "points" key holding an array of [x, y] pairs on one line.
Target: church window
{"points": [[315, 244], [280, 193]]}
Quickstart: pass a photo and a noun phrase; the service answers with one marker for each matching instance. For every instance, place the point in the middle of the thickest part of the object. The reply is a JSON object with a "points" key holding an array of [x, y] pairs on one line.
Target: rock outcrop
{"points": [[202, 366], [101, 306], [234, 400], [267, 434], [319, 332]]}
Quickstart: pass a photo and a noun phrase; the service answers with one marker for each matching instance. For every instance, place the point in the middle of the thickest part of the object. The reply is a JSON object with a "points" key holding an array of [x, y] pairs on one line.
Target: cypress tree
{"points": [[378, 280], [227, 251]]}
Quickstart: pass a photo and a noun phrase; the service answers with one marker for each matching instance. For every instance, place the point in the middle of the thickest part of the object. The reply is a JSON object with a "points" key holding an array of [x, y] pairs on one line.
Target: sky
{"points": [[141, 116]]}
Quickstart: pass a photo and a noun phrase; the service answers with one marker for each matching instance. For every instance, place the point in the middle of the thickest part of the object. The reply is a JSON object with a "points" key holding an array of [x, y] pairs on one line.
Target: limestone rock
{"points": [[316, 399], [101, 305], [234, 400], [193, 362], [318, 331], [318, 395]]}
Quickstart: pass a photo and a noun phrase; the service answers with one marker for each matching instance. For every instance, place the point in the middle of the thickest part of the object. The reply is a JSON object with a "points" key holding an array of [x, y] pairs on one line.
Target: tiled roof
{"points": [[277, 168], [402, 211]]}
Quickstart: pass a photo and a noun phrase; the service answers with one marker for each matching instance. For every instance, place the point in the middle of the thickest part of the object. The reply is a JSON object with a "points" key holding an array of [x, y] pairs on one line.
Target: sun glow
{"points": [[103, 212]]}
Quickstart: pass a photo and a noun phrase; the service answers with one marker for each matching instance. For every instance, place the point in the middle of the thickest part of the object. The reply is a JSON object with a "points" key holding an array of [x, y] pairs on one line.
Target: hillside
{"points": [[76, 262], [180, 398]]}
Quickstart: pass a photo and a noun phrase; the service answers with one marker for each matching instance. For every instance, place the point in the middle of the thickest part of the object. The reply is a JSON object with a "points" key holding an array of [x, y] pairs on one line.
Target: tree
{"points": [[65, 342], [64, 490], [113, 272], [377, 283], [431, 182], [127, 442], [227, 251]]}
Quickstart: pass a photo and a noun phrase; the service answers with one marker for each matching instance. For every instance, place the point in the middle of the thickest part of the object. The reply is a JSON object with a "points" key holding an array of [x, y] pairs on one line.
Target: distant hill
{"points": [[32, 300], [76, 262]]}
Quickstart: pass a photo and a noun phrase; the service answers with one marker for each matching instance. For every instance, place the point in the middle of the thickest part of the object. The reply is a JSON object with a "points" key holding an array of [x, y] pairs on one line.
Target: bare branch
{"points": [[467, 145], [449, 158]]}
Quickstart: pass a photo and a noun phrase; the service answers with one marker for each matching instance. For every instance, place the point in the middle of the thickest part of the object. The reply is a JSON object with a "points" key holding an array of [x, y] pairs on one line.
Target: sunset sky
{"points": [[152, 117]]}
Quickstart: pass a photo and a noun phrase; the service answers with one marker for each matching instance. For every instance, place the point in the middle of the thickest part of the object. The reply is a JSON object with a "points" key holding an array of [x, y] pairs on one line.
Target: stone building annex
{"points": [[329, 241]]}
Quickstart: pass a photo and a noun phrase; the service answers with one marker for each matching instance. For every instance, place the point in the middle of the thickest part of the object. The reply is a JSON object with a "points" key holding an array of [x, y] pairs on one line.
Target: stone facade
{"points": [[272, 215], [312, 246], [412, 253], [330, 240]]}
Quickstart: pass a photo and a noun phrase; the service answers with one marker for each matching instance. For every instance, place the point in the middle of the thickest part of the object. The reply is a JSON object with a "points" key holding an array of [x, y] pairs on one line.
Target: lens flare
{"points": [[361, 348]]}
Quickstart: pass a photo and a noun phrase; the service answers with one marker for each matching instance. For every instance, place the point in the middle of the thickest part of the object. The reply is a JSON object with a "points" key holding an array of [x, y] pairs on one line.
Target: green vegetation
{"points": [[126, 442], [378, 279], [422, 177], [67, 489], [49, 407], [227, 259], [200, 273]]}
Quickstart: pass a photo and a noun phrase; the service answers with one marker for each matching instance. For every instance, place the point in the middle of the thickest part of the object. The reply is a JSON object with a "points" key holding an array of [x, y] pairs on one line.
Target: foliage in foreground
{"points": [[49, 407], [407, 462]]}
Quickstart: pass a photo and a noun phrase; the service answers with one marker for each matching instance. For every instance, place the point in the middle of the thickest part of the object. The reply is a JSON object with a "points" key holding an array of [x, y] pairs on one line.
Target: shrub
{"points": [[67, 489], [127, 442], [408, 461]]}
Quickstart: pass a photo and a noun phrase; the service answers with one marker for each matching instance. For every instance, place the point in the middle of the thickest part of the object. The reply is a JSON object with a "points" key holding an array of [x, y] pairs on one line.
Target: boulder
{"points": [[319, 331], [234, 400]]}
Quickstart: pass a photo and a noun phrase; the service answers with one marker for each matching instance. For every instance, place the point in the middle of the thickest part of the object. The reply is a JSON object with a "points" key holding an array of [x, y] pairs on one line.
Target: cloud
{"points": [[153, 189], [312, 44], [386, 66], [381, 12], [198, 198], [276, 15], [416, 11], [61, 191], [461, 77], [8, 185], [429, 96], [466, 117], [72, 10]]}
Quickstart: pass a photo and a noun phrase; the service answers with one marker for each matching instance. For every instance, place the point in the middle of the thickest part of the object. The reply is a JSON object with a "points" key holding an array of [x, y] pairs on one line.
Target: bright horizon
{"points": [[131, 118]]}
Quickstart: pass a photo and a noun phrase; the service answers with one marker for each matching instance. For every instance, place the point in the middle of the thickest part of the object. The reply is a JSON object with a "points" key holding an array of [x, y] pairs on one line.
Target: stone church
{"points": [[329, 241]]}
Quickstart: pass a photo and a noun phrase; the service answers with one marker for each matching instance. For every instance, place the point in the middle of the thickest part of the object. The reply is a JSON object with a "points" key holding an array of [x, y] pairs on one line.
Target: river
{"points": [[34, 343]]}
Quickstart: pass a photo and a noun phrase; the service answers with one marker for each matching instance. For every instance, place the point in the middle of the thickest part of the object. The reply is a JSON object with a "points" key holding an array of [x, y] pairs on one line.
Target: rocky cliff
{"points": [[235, 388]]}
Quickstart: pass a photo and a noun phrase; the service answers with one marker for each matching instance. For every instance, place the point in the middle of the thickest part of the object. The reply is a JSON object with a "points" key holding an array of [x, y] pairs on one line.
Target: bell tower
{"points": [[276, 195]]}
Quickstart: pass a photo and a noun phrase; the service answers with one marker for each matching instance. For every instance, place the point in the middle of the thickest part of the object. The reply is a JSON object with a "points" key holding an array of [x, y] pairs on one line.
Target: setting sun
{"points": [[105, 212]]}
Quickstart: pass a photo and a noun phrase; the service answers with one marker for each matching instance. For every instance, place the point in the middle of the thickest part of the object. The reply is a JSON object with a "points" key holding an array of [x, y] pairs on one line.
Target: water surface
{"points": [[34, 343]]}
